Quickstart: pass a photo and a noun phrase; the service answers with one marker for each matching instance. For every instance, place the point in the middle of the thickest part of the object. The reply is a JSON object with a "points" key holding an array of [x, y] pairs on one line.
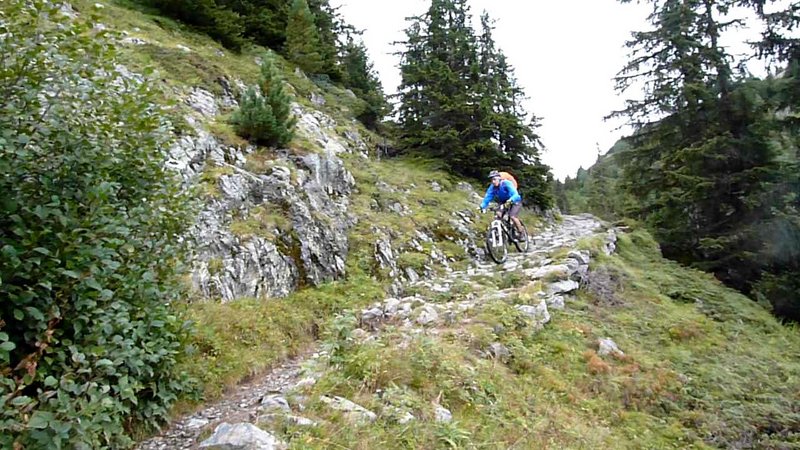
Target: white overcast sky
{"points": [[564, 52]]}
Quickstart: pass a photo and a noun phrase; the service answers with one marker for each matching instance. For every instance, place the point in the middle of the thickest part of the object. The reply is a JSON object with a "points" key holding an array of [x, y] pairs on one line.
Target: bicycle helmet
{"points": [[494, 174]]}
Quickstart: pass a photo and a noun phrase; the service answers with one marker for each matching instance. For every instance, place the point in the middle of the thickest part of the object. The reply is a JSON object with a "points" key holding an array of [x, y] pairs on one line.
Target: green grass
{"points": [[704, 367], [267, 221], [209, 179], [238, 339]]}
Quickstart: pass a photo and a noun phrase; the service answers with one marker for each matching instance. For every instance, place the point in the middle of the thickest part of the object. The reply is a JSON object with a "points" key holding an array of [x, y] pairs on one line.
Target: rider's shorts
{"points": [[515, 208]]}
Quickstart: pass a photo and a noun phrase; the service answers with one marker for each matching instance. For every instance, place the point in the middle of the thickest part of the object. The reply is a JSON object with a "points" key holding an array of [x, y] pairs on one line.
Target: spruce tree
{"points": [[264, 114], [436, 94], [704, 165], [359, 76], [331, 30], [460, 102], [302, 38], [264, 21]]}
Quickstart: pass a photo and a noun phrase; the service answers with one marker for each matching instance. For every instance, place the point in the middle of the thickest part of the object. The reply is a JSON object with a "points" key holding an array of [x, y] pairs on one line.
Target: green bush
{"points": [[89, 248], [264, 114]]}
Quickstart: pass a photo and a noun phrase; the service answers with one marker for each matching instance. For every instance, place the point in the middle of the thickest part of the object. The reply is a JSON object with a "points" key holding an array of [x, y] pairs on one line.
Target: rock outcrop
{"points": [[309, 192]]}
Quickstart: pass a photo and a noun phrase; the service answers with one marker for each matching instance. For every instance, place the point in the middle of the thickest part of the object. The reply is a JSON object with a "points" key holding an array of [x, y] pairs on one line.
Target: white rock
{"points": [[499, 351], [582, 256], [353, 412], [572, 265], [307, 381], [317, 99], [558, 270], [203, 102], [301, 421], [608, 347], [399, 415], [538, 313], [391, 305], [562, 287], [511, 265], [428, 315], [443, 414], [611, 242], [555, 301], [412, 275], [296, 420], [241, 436], [196, 423], [274, 402], [440, 288], [134, 41]]}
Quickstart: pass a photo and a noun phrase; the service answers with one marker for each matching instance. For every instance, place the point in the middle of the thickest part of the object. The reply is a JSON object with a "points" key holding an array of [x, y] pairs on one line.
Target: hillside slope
{"points": [[297, 245], [645, 354], [317, 226]]}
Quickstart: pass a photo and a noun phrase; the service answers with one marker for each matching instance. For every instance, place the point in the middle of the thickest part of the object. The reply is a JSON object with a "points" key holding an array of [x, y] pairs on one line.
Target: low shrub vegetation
{"points": [[89, 247]]}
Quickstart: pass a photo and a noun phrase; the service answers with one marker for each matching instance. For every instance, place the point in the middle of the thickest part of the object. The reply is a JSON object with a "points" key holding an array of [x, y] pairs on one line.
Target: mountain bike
{"points": [[501, 232]]}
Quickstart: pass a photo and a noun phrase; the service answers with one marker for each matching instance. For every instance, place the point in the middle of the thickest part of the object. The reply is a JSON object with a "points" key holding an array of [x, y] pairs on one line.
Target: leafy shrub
{"points": [[89, 220], [264, 114]]}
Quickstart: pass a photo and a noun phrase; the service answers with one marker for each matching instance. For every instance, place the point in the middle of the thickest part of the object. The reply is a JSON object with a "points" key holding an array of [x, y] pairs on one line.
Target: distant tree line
{"points": [[713, 167]]}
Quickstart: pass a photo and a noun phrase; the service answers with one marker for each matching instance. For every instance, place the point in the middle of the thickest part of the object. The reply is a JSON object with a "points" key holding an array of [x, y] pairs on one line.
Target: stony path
{"points": [[238, 406], [268, 394]]}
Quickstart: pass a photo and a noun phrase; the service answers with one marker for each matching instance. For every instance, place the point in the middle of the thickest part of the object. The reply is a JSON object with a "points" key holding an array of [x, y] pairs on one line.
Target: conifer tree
{"points": [[434, 91], [264, 21], [264, 114], [302, 38], [460, 102], [704, 164], [359, 76], [331, 29]]}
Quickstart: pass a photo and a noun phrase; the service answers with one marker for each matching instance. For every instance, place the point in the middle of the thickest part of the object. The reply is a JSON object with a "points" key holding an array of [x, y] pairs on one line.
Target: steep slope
{"points": [[315, 226], [452, 304], [627, 351]]}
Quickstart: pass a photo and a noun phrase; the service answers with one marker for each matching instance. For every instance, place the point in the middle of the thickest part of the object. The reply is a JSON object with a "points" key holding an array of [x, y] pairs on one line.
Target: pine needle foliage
{"points": [[264, 115]]}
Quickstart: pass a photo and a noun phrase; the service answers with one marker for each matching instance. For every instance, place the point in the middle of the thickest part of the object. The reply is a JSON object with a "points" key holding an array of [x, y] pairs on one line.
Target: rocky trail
{"points": [[435, 305]]}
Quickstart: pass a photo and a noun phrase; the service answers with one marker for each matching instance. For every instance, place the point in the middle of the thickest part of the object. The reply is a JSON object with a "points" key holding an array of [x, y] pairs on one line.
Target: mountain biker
{"points": [[503, 192]]}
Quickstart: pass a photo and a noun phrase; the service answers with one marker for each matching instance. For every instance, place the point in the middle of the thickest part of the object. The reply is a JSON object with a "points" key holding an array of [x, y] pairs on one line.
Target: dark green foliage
{"points": [[359, 76], [264, 21], [264, 114], [713, 162], [777, 40], [309, 33], [209, 17], [332, 31], [460, 102], [302, 39], [90, 221]]}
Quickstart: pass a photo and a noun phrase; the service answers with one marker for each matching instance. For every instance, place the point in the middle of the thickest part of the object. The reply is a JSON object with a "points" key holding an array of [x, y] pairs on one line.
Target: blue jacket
{"points": [[501, 194]]}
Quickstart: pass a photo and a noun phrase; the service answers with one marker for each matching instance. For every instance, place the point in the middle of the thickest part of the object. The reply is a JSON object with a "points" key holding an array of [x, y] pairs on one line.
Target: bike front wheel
{"points": [[496, 244]]}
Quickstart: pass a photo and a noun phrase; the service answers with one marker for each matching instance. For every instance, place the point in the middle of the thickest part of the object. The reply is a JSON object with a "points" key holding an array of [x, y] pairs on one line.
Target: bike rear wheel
{"points": [[496, 244], [521, 241]]}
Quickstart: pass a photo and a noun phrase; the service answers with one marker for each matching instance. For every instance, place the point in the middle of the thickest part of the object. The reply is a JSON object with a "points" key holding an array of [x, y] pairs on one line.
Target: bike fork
{"points": [[497, 234]]}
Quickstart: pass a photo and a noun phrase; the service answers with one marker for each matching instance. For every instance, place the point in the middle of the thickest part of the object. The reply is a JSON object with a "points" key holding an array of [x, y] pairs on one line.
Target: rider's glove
{"points": [[509, 203], [483, 210]]}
